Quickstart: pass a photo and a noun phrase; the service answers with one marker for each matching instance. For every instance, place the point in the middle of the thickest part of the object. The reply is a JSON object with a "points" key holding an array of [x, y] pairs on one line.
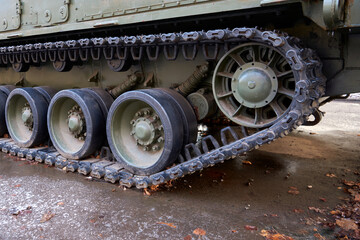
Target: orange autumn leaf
{"points": [[293, 191], [18, 185], [199, 232], [249, 227], [273, 235], [147, 192], [47, 216], [347, 224], [331, 175], [167, 224], [246, 162], [188, 237]]}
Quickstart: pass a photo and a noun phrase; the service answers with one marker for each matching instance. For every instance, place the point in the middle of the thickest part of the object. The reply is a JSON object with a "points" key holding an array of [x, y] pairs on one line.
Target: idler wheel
{"points": [[26, 110], [254, 84], [143, 131], [76, 122]]}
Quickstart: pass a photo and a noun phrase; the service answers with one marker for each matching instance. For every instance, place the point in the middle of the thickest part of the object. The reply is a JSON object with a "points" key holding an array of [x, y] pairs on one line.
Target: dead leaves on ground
{"points": [[330, 175], [47, 216], [274, 235], [199, 232], [167, 224], [293, 191], [246, 162], [249, 227], [347, 224], [347, 215]]}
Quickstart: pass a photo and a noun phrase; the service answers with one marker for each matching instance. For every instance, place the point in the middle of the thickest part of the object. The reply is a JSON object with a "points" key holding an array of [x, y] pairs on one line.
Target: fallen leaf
{"points": [[323, 199], [337, 212], [93, 220], [233, 231], [349, 183], [60, 203], [147, 192], [18, 185], [249, 227], [246, 162], [318, 236], [357, 135], [188, 237], [47, 216], [347, 224], [331, 175], [154, 188], [318, 210], [312, 133], [357, 197], [199, 232], [274, 235], [167, 224], [113, 190], [298, 211], [293, 190]]}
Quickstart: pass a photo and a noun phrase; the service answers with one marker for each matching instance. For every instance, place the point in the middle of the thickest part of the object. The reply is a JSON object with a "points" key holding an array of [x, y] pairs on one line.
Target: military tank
{"points": [[145, 92]]}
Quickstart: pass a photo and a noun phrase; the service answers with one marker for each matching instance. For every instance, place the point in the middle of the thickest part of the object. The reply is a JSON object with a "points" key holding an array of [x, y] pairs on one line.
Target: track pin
{"points": [[14, 150], [31, 154], [61, 162], [7, 146], [22, 152], [112, 173], [85, 166], [72, 165], [98, 169], [51, 158], [42, 154]]}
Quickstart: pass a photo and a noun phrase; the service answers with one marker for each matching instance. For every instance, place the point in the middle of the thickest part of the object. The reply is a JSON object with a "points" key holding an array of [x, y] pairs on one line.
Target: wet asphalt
{"points": [[37, 202]]}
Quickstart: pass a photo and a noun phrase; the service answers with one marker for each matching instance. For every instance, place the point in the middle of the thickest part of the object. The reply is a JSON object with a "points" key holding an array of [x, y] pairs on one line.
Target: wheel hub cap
{"points": [[76, 122], [144, 130], [147, 130], [27, 116], [254, 85]]}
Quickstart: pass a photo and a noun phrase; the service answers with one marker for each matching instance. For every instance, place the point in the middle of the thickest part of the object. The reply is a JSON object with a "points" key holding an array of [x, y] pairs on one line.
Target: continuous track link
{"points": [[310, 86]]}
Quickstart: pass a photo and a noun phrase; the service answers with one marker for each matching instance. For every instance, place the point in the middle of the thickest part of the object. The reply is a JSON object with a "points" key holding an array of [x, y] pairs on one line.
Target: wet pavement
{"points": [[37, 202]]}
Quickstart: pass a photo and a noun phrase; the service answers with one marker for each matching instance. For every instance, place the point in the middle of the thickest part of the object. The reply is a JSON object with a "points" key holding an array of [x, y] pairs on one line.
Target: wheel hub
{"points": [[27, 116], [254, 85], [76, 122], [147, 129]]}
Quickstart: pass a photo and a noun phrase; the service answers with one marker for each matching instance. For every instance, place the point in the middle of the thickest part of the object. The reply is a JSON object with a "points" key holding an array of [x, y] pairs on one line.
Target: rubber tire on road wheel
{"points": [[3, 128], [124, 147], [65, 143], [17, 130]]}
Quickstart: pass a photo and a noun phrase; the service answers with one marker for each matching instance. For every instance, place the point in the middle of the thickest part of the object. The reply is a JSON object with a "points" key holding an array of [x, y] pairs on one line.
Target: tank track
{"points": [[310, 86]]}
